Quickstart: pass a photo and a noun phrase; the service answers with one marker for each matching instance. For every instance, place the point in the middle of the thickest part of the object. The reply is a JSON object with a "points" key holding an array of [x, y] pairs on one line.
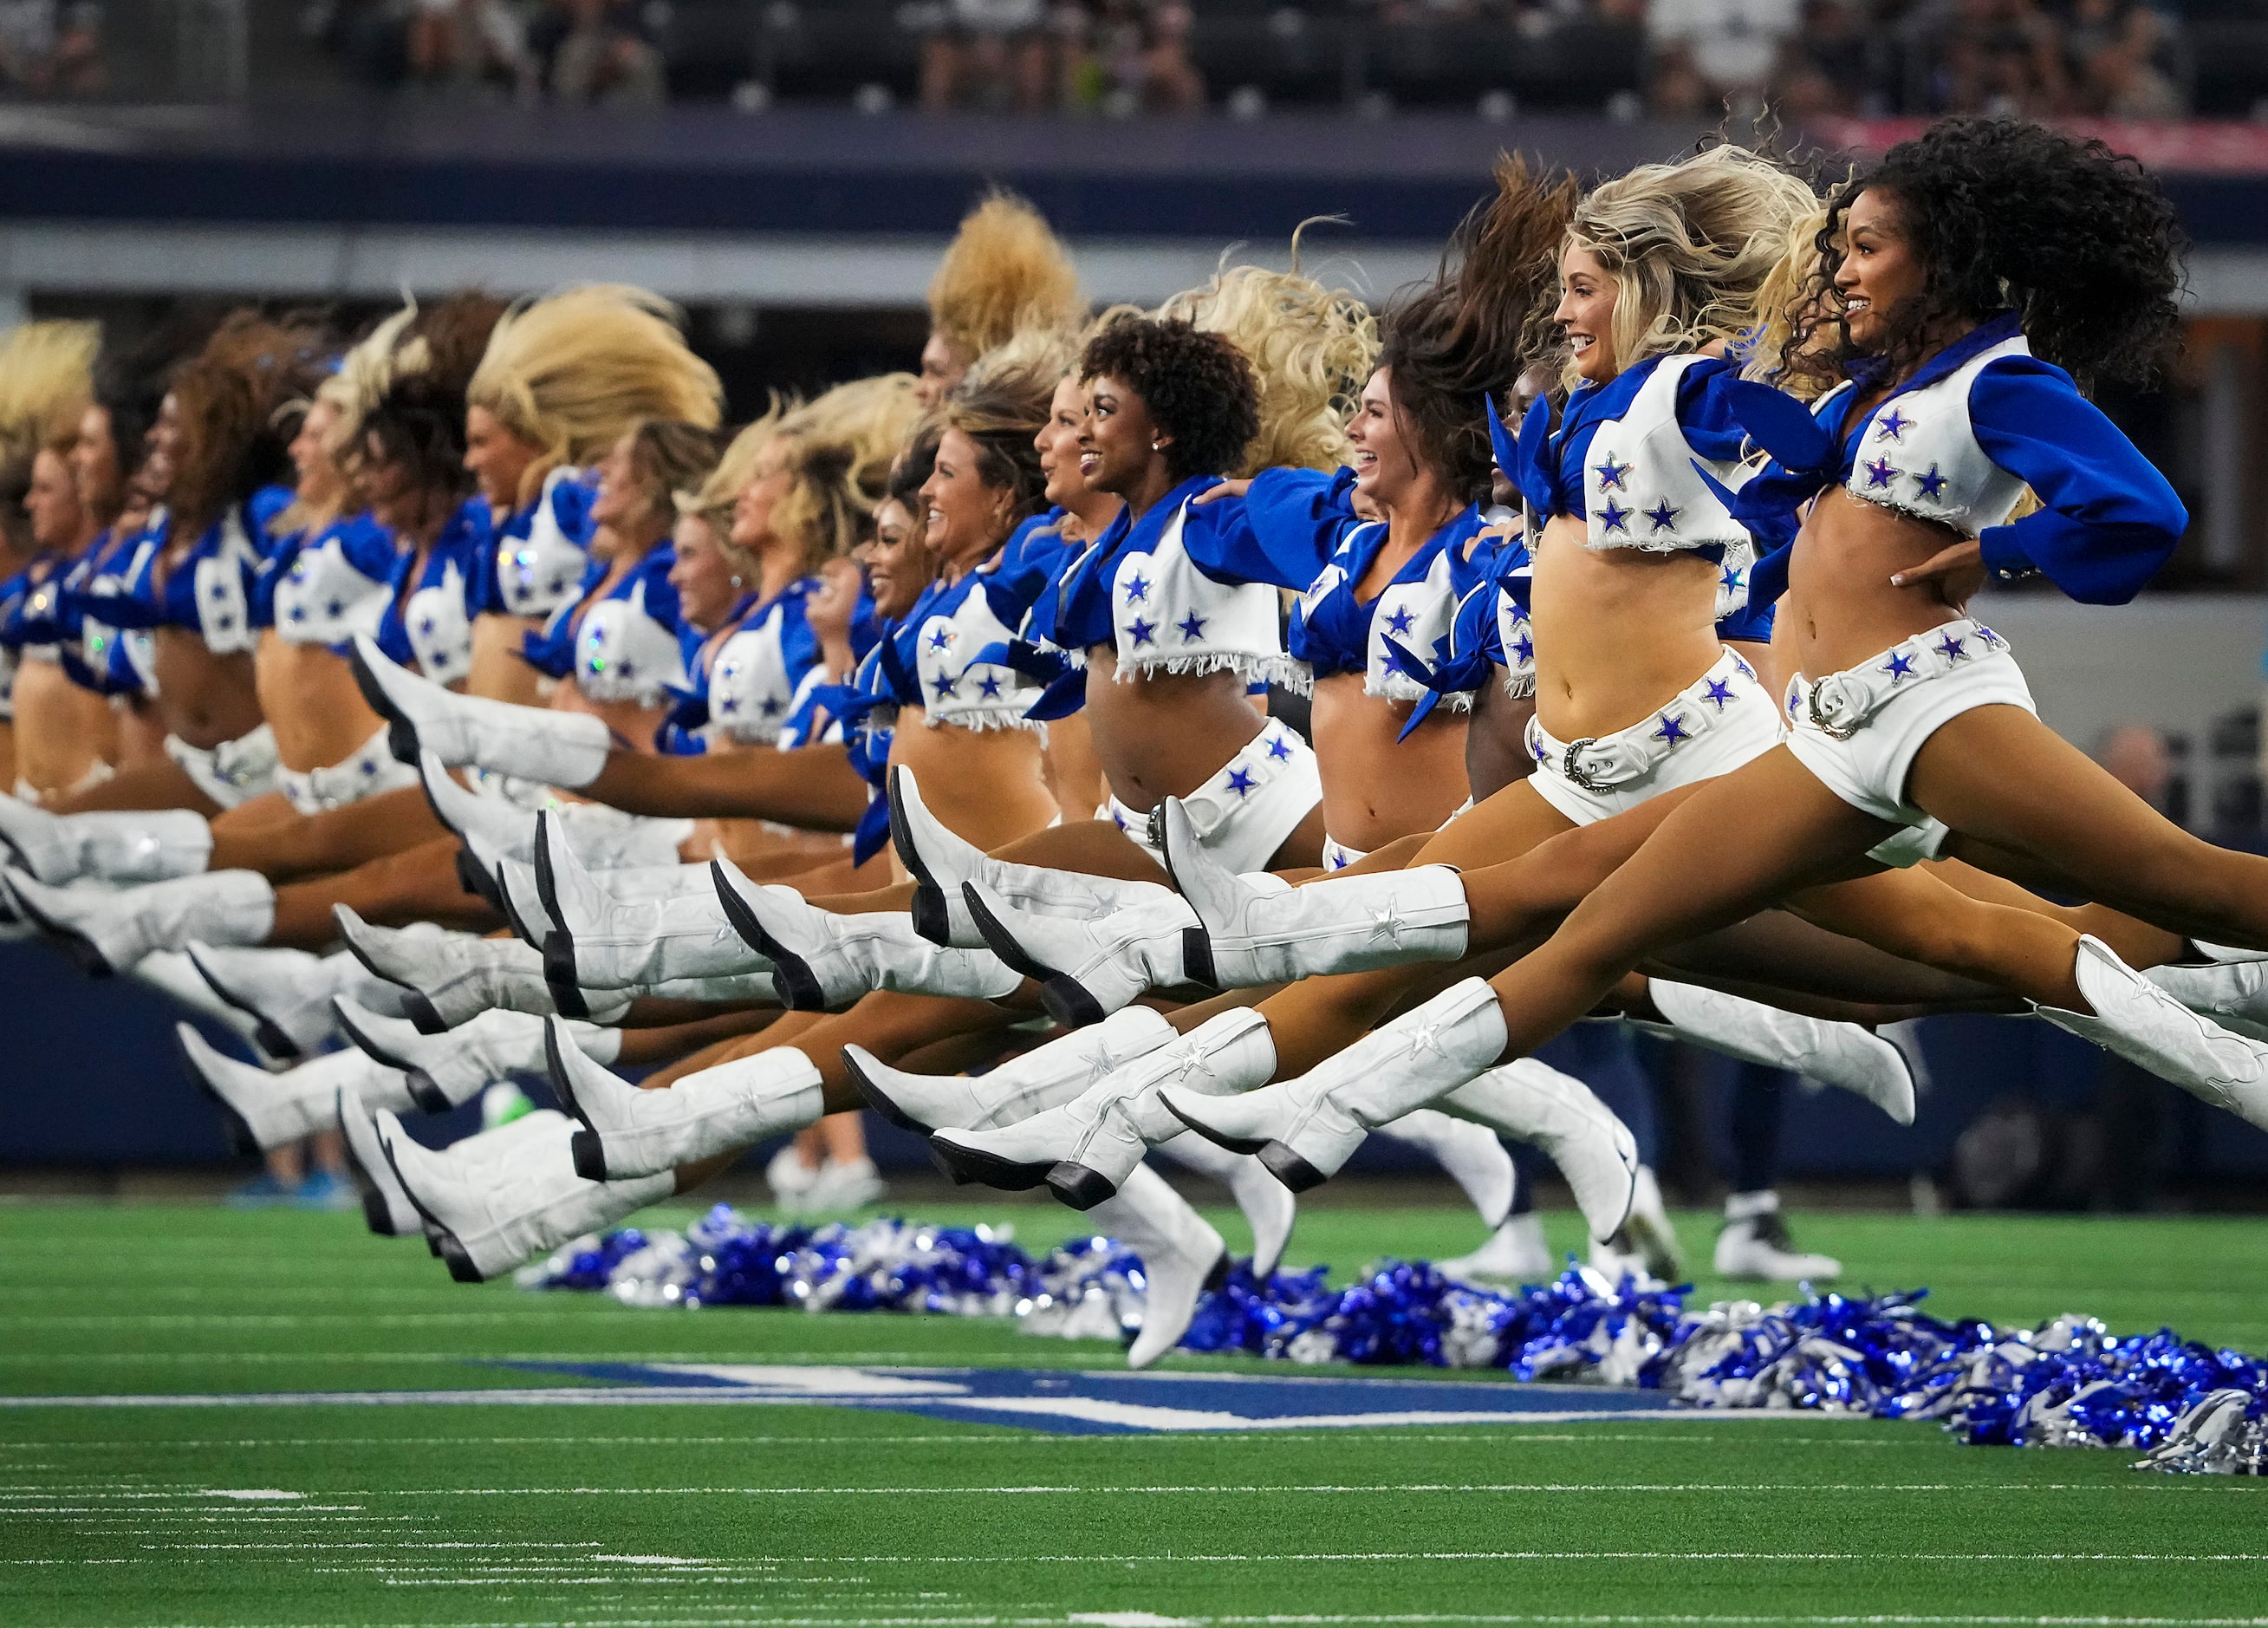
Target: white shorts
{"points": [[371, 769], [1860, 730], [232, 773], [1721, 721], [1244, 811], [1337, 856]]}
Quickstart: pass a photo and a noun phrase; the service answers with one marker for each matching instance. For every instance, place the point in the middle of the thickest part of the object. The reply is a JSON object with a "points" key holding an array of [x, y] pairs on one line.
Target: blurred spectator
{"points": [[1831, 68], [1707, 53], [988, 54], [597, 51], [1142, 48], [50, 50], [2116, 50], [468, 44], [2000, 57], [2137, 756]]}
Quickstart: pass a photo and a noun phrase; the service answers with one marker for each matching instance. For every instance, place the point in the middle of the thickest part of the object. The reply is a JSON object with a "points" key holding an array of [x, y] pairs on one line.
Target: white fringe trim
{"points": [[987, 722], [1278, 670], [1684, 545], [1519, 686]]}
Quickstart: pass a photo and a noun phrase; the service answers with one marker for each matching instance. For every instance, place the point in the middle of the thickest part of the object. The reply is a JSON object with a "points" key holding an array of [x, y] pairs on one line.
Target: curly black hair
{"points": [[419, 419], [1199, 387], [1449, 344], [2078, 240]]}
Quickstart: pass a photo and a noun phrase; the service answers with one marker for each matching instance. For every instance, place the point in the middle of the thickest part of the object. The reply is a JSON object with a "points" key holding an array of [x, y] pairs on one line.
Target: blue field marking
{"points": [[1120, 1403]]}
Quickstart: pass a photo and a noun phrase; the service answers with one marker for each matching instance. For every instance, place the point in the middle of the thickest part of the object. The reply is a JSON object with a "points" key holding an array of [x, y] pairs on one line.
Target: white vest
{"points": [[1170, 618], [1641, 488], [323, 599], [623, 654], [439, 631], [539, 573], [750, 695], [1919, 456]]}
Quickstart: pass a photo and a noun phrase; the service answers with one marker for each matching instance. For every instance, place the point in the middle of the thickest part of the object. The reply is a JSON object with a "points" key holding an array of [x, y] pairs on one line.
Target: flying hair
{"points": [[839, 447], [1690, 244], [46, 377], [570, 373], [1004, 271], [230, 394], [417, 412]]}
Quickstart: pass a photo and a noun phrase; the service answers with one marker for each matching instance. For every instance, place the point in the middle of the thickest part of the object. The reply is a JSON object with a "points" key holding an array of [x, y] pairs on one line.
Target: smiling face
{"points": [[94, 463], [967, 518], [896, 564], [1058, 444], [496, 458], [701, 574], [752, 508], [1586, 313], [52, 502], [1385, 462], [621, 502], [1119, 443], [388, 486], [155, 478], [310, 453], [942, 367], [1880, 268]]}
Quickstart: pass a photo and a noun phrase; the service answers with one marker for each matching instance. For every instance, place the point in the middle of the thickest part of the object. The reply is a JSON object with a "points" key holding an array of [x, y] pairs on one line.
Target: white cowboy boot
{"points": [[823, 962], [172, 974], [1755, 1244], [1304, 1129], [619, 929], [260, 1110], [1182, 1258], [1254, 934], [287, 993], [941, 862], [495, 1217], [1515, 1253], [747, 989], [1646, 1246], [1086, 1148], [446, 1070], [1467, 1151], [2136, 1020], [630, 1132], [449, 978], [125, 848], [603, 838], [385, 1206], [1016, 1089], [107, 932], [1562, 1119], [557, 749], [2226, 954], [1269, 1208], [1088, 967], [1842, 1055], [2233, 994]]}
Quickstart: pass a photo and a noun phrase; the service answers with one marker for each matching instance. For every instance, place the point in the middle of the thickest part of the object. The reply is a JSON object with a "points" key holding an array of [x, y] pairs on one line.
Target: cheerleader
{"points": [[1005, 274], [1948, 262]]}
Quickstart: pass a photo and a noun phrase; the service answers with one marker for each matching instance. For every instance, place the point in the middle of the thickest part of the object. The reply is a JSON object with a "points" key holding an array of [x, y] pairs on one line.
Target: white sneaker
{"points": [[1514, 1254], [446, 1070], [1043, 1078], [841, 1187], [107, 933], [824, 963], [790, 1179], [629, 1132], [260, 1111], [1755, 1244]]}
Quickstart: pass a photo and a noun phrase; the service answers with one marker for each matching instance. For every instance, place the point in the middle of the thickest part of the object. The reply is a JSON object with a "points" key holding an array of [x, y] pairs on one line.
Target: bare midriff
{"points": [[205, 699], [498, 671], [308, 693], [985, 784], [1841, 609], [62, 730], [1377, 789], [1164, 734], [1617, 631]]}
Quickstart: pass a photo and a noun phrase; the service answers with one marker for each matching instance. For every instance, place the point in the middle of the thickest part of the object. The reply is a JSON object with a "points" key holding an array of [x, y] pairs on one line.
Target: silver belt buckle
{"points": [[1154, 824], [1580, 776], [1832, 732]]}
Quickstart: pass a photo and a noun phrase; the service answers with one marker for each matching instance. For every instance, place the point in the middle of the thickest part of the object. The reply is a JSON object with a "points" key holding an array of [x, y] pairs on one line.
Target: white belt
{"points": [[371, 769], [1602, 762], [233, 772], [1839, 704], [1275, 752]]}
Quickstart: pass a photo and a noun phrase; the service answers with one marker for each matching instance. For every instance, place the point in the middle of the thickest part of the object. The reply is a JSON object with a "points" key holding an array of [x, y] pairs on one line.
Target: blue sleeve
{"points": [[1704, 411], [1284, 531], [550, 649], [261, 510], [1750, 624], [2107, 518], [570, 506]]}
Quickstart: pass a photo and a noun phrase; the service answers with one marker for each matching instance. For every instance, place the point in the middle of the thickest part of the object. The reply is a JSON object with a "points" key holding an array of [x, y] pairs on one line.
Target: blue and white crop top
{"points": [[756, 685], [431, 626], [536, 563], [96, 653], [1956, 445], [1183, 589], [623, 646], [950, 655], [1332, 631], [327, 588], [206, 589]]}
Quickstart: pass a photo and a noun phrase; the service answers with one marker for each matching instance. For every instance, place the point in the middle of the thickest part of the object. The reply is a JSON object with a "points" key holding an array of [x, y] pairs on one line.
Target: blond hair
{"points": [[1312, 351], [1690, 245], [570, 373], [1789, 314], [46, 378], [1006, 271], [836, 452]]}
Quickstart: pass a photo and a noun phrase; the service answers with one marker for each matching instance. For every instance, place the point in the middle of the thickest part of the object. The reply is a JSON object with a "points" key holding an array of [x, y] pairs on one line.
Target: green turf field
{"points": [[698, 1514]]}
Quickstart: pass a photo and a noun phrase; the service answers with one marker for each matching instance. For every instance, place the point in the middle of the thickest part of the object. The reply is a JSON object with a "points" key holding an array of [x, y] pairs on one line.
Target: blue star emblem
{"points": [[1933, 484], [336, 608], [1952, 649], [369, 768], [298, 613], [1142, 632], [626, 670], [1280, 750], [1240, 781], [1137, 588], [425, 624], [729, 704], [989, 688], [1900, 665], [771, 707], [941, 638], [1718, 695], [1992, 639], [1192, 627], [1524, 647], [1880, 473], [1731, 578], [944, 687], [1610, 474], [1614, 518], [1893, 425], [1663, 516], [1536, 750], [220, 590], [1673, 729], [559, 585], [1400, 620]]}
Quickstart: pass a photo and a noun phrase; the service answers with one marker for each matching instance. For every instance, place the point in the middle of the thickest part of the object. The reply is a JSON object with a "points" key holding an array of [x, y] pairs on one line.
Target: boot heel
{"points": [[1080, 1187], [1289, 1169]]}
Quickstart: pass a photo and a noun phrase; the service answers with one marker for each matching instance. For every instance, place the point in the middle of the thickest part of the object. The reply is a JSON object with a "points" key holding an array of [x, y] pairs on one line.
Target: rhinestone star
{"points": [[1899, 667], [1718, 695], [1893, 425], [1137, 588], [1880, 473], [1614, 517], [941, 638], [1663, 516], [1280, 750], [1240, 781], [1933, 484], [1673, 729], [1142, 632], [989, 687], [1401, 621], [1427, 1037], [1192, 627], [1952, 649], [1610, 474]]}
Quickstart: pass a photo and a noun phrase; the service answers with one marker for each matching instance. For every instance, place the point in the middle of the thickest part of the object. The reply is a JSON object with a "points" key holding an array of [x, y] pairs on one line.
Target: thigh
{"points": [[270, 810], [1503, 827], [1097, 847], [158, 783]]}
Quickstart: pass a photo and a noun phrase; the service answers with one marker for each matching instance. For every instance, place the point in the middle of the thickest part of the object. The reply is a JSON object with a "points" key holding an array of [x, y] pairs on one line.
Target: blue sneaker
{"points": [[325, 1191], [262, 1192]]}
